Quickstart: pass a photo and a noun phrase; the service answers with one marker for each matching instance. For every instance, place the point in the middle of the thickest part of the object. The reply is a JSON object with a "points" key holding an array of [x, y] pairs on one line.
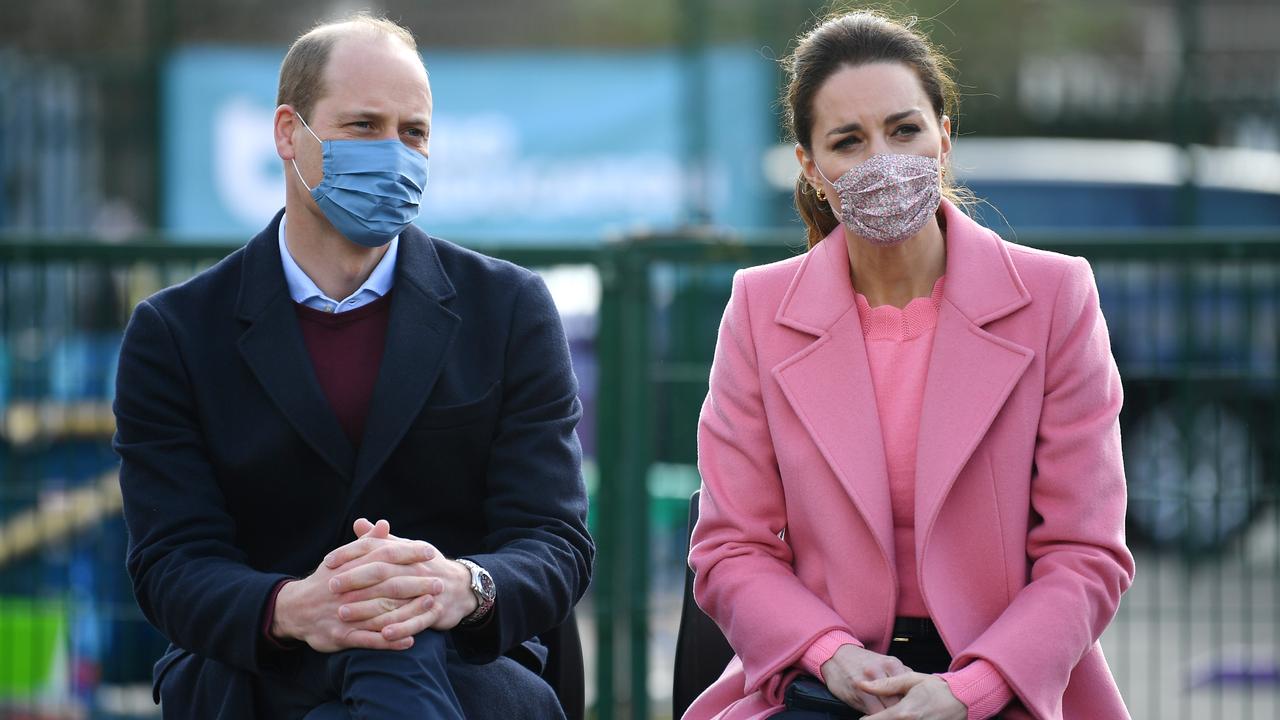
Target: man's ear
{"points": [[285, 122]]}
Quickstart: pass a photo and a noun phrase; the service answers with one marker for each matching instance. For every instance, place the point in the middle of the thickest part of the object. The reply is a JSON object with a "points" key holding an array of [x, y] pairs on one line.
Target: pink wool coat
{"points": [[1020, 490]]}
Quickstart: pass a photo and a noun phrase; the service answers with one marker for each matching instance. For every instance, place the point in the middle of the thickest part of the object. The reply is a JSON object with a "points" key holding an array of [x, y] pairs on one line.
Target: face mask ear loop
{"points": [[821, 174], [295, 157]]}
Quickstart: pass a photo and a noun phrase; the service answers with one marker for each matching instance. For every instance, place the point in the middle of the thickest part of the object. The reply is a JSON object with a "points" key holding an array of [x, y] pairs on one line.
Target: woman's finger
{"points": [[916, 703], [895, 685], [894, 666], [874, 702]]}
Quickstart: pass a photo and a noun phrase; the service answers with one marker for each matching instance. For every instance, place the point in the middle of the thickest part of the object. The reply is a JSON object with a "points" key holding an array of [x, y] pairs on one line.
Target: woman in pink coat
{"points": [[910, 451]]}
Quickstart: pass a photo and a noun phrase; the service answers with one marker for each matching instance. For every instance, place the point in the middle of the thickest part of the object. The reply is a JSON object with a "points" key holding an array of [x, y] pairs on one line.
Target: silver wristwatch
{"points": [[483, 588]]}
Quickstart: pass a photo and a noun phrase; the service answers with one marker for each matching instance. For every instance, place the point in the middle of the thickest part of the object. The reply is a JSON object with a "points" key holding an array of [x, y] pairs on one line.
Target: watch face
{"points": [[486, 584]]}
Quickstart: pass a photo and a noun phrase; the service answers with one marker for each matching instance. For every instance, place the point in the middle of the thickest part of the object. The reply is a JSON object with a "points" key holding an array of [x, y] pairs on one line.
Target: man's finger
{"points": [[362, 526], [357, 549], [429, 614], [370, 574], [359, 612], [374, 641], [403, 552], [400, 587], [390, 548], [352, 550], [395, 552], [404, 613]]}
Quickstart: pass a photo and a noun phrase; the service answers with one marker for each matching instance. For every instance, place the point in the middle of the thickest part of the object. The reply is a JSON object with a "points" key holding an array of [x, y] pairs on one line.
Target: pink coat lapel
{"points": [[971, 371], [828, 383]]}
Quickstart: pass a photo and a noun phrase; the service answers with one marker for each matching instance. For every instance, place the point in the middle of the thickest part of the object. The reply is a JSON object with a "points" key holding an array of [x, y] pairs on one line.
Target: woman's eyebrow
{"points": [[889, 120]]}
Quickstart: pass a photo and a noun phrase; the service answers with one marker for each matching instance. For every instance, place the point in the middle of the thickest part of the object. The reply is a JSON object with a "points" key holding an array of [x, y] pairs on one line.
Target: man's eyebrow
{"points": [[417, 121], [359, 115]]}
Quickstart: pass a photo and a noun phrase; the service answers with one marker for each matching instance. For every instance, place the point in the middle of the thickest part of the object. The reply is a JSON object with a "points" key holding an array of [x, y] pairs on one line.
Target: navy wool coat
{"points": [[236, 473]]}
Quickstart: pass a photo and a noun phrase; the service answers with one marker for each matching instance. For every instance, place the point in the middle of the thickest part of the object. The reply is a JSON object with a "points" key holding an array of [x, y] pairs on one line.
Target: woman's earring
{"points": [[822, 194]]}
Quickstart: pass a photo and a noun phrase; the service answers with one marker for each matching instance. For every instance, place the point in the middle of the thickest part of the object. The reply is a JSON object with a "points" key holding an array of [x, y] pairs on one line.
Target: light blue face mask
{"points": [[371, 189]]}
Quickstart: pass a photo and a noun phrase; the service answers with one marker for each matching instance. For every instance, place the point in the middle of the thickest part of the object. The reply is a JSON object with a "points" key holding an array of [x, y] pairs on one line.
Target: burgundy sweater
{"points": [[346, 352]]}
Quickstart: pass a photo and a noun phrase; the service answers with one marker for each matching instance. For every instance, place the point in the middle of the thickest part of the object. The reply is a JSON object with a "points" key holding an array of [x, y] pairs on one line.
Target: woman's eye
{"points": [[847, 142], [907, 130]]}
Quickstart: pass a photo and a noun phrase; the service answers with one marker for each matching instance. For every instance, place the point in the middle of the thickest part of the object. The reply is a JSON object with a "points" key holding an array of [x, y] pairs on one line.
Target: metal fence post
{"points": [[637, 453], [622, 533], [609, 461]]}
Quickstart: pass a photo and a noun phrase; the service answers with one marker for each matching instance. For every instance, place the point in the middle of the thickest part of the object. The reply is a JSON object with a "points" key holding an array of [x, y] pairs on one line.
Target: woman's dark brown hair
{"points": [[852, 39]]}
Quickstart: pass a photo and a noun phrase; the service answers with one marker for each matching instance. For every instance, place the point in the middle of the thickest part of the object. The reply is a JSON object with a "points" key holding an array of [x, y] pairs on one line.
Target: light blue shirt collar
{"points": [[305, 292]]}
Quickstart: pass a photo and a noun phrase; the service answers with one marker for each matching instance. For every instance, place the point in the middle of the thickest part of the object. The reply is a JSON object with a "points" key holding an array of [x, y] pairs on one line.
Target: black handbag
{"points": [[806, 693]]}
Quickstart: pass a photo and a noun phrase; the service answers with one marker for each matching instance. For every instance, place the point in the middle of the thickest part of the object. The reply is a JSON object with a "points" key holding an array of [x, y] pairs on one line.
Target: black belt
{"points": [[913, 628], [918, 645]]}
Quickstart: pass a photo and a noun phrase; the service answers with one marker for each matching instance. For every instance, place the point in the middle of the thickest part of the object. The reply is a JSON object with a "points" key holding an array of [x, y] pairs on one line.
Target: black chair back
{"points": [[702, 653]]}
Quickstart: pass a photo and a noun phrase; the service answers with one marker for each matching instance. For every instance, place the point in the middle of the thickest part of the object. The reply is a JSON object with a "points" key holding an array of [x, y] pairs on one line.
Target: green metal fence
{"points": [[1195, 322]]}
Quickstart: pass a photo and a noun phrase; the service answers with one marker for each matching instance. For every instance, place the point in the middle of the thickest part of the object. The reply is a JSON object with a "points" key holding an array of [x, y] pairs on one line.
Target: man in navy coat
{"points": [[344, 366]]}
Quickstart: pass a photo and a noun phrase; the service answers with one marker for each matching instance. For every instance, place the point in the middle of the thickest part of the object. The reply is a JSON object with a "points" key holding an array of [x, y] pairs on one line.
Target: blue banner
{"points": [[524, 146]]}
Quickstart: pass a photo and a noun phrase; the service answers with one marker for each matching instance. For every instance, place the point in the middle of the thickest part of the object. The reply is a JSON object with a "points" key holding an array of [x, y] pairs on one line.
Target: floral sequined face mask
{"points": [[889, 198]]}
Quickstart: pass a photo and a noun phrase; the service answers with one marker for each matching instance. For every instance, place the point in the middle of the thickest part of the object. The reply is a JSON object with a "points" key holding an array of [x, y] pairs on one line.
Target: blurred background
{"points": [[633, 153]]}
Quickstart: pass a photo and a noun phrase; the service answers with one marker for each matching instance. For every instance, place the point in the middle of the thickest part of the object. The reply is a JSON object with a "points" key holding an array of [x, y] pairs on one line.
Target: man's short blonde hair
{"points": [[302, 72]]}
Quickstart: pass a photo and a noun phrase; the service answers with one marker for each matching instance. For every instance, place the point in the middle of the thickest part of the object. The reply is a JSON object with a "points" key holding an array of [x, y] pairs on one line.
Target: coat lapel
{"points": [[273, 348], [419, 334], [828, 383], [971, 371]]}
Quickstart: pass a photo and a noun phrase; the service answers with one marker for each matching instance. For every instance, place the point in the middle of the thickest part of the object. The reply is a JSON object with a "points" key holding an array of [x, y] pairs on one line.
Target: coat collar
{"points": [[420, 332], [982, 283], [971, 372], [262, 272], [275, 352], [262, 278]]}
